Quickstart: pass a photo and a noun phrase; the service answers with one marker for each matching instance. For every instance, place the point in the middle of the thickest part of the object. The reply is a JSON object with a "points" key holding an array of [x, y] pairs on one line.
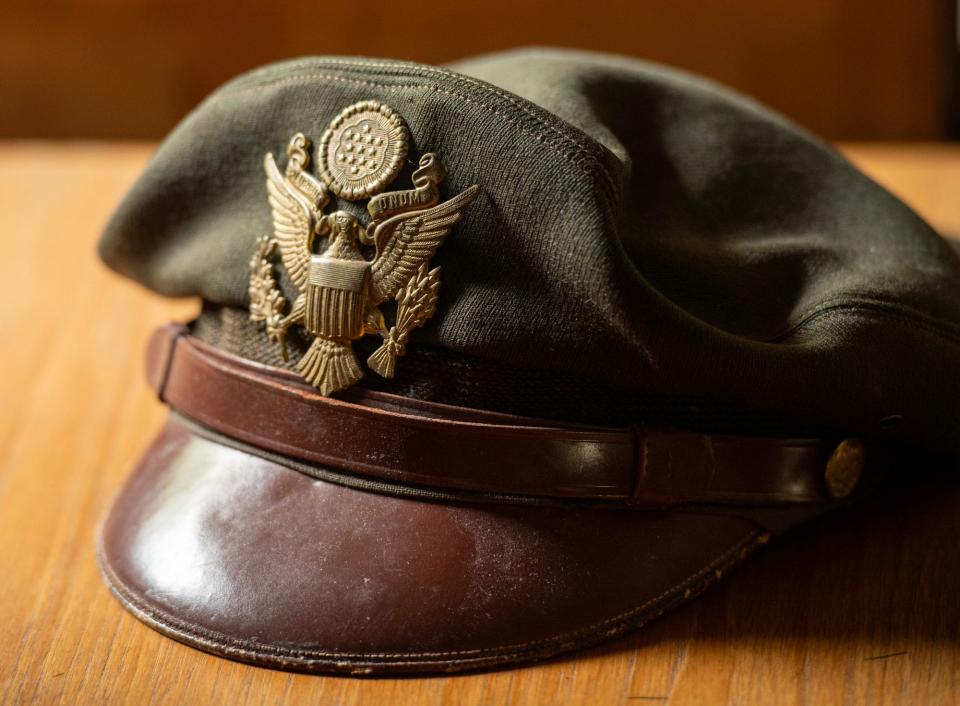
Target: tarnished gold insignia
{"points": [[339, 289]]}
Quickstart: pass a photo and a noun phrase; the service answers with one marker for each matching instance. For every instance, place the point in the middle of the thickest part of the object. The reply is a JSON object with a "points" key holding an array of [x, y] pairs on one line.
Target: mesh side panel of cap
{"points": [[441, 376]]}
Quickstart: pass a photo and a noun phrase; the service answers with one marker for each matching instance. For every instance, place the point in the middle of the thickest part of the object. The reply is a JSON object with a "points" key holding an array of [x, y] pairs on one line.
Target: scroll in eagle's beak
{"points": [[365, 235], [322, 228]]}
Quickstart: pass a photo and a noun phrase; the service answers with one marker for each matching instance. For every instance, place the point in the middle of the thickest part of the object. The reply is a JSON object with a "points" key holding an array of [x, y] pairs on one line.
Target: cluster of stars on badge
{"points": [[360, 149]]}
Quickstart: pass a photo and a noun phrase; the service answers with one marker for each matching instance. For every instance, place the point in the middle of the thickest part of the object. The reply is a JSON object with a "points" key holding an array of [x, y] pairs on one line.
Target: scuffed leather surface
{"points": [[240, 556]]}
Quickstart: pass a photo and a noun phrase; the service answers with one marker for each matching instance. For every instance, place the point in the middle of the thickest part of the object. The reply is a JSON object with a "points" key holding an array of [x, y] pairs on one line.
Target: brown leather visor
{"points": [[308, 544]]}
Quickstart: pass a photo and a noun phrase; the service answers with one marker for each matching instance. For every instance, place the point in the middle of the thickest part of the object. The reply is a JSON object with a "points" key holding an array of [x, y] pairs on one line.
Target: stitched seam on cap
{"points": [[218, 639], [579, 141], [581, 145], [571, 135], [463, 78], [887, 310], [300, 78]]}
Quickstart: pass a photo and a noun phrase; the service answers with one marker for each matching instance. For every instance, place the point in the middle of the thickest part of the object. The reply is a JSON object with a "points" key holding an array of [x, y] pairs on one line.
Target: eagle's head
{"points": [[339, 224]]}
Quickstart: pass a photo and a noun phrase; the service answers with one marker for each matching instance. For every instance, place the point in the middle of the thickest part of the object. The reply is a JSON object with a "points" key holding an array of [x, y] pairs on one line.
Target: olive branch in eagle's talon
{"points": [[266, 301], [416, 303]]}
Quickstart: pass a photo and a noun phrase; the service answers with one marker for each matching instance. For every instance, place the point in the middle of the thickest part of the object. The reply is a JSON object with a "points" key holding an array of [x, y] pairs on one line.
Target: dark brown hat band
{"points": [[409, 442]]}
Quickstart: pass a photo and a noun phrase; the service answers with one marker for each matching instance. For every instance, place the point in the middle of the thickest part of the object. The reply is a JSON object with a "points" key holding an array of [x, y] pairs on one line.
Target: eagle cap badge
{"points": [[340, 290]]}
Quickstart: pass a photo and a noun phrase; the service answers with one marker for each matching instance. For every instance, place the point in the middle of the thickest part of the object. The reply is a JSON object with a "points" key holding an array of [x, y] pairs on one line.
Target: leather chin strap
{"points": [[410, 442]]}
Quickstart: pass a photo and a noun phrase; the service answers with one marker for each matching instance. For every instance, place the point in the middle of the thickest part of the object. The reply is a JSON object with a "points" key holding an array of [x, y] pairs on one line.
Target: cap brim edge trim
{"points": [[360, 664]]}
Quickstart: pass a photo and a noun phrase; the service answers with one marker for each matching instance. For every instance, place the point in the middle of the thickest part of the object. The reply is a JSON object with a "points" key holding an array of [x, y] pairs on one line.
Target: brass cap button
{"points": [[844, 468]]}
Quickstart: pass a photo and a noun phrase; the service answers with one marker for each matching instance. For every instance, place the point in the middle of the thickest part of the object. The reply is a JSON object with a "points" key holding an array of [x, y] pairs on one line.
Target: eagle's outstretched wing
{"points": [[293, 222], [409, 240]]}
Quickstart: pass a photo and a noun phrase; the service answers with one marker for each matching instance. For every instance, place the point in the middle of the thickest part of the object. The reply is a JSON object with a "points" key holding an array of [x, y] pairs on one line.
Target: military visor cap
{"points": [[498, 361]]}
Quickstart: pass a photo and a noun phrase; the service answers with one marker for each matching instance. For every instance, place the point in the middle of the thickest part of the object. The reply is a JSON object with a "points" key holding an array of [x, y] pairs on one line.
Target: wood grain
{"points": [[851, 69], [860, 608]]}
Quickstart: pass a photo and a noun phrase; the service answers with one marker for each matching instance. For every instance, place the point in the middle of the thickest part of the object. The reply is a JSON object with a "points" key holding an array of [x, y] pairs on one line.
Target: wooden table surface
{"points": [[862, 607]]}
